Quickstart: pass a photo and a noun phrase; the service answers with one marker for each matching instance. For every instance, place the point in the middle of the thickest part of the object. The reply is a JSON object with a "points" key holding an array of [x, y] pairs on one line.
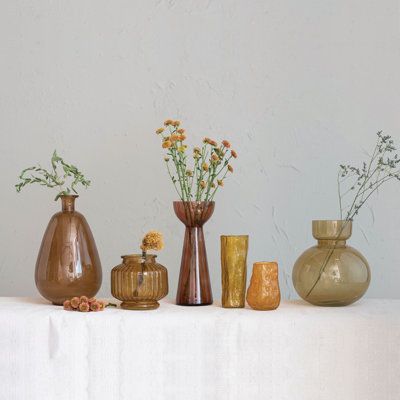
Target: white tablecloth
{"points": [[296, 352]]}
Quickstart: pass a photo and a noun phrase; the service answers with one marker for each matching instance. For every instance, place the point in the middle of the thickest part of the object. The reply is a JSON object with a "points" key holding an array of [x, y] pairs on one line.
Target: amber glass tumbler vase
{"points": [[234, 270], [331, 273], [68, 263], [139, 282], [194, 288]]}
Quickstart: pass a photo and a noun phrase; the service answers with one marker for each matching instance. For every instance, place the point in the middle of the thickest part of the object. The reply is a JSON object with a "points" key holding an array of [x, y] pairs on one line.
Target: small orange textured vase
{"points": [[263, 292]]}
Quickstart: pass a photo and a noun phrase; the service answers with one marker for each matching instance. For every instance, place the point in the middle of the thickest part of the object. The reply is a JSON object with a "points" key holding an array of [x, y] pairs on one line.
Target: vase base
{"points": [[193, 304], [140, 305]]}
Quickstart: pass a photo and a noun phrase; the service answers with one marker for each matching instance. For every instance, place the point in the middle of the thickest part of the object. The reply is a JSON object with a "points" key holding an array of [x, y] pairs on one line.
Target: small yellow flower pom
{"points": [[182, 149], [205, 167], [196, 150], [168, 122], [166, 159], [203, 185], [159, 130], [220, 182], [175, 123], [230, 169], [189, 172], [152, 240]]}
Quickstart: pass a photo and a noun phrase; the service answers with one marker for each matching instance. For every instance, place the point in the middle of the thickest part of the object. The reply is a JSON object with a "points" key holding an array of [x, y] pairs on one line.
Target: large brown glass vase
{"points": [[68, 263], [194, 288]]}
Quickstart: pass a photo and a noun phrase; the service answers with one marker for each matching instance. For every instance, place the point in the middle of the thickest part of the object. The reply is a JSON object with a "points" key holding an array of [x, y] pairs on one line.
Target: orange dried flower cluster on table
{"points": [[84, 304]]}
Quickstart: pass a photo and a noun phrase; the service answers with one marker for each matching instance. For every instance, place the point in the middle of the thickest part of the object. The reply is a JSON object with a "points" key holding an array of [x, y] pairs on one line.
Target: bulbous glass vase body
{"points": [[331, 273], [68, 263], [139, 282]]}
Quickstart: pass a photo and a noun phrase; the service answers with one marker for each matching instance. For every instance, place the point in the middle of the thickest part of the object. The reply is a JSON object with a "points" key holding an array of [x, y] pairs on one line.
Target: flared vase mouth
{"points": [[194, 213], [332, 229]]}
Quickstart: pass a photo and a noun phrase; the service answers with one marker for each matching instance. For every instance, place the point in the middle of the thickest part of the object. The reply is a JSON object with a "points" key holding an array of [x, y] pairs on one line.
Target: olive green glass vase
{"points": [[331, 273]]}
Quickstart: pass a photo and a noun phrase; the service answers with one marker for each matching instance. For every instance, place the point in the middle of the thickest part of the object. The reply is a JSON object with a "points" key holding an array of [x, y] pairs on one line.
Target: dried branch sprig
{"points": [[362, 182], [66, 177], [210, 167]]}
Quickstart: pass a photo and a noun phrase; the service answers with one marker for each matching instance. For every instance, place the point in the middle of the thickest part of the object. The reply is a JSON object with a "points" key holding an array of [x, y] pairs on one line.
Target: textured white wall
{"points": [[297, 86]]}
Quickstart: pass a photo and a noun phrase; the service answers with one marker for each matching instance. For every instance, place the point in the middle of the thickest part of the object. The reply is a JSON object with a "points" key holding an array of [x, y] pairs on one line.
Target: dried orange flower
{"points": [[75, 301], [102, 305], [205, 167], [203, 185], [159, 130], [153, 240], [213, 143], [230, 168], [214, 157], [84, 299], [95, 306], [174, 138], [220, 182], [181, 131], [167, 144], [67, 305], [196, 150], [175, 123], [234, 154], [182, 137], [226, 144], [168, 122], [84, 307]]}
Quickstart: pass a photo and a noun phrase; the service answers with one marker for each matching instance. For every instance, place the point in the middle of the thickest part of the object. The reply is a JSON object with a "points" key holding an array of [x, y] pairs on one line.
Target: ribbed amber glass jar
{"points": [[139, 282]]}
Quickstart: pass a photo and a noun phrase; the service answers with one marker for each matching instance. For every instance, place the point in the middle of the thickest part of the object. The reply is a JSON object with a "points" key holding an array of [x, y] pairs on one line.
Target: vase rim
{"points": [[332, 220], [138, 255], [193, 202], [332, 229], [265, 263], [235, 236], [65, 196]]}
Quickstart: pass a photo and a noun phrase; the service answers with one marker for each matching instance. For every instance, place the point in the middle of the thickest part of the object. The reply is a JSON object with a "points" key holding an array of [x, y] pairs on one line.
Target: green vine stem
{"points": [[66, 177]]}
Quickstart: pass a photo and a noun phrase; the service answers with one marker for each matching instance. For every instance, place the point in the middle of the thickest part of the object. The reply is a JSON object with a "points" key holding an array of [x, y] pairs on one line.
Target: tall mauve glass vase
{"points": [[194, 287]]}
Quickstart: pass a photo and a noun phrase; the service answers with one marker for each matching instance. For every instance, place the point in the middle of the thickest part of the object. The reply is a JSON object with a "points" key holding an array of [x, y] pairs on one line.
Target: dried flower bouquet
{"points": [[211, 163]]}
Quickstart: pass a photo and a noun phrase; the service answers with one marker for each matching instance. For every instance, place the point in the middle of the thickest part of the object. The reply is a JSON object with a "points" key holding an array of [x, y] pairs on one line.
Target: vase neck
{"points": [[68, 203], [331, 243], [139, 259]]}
